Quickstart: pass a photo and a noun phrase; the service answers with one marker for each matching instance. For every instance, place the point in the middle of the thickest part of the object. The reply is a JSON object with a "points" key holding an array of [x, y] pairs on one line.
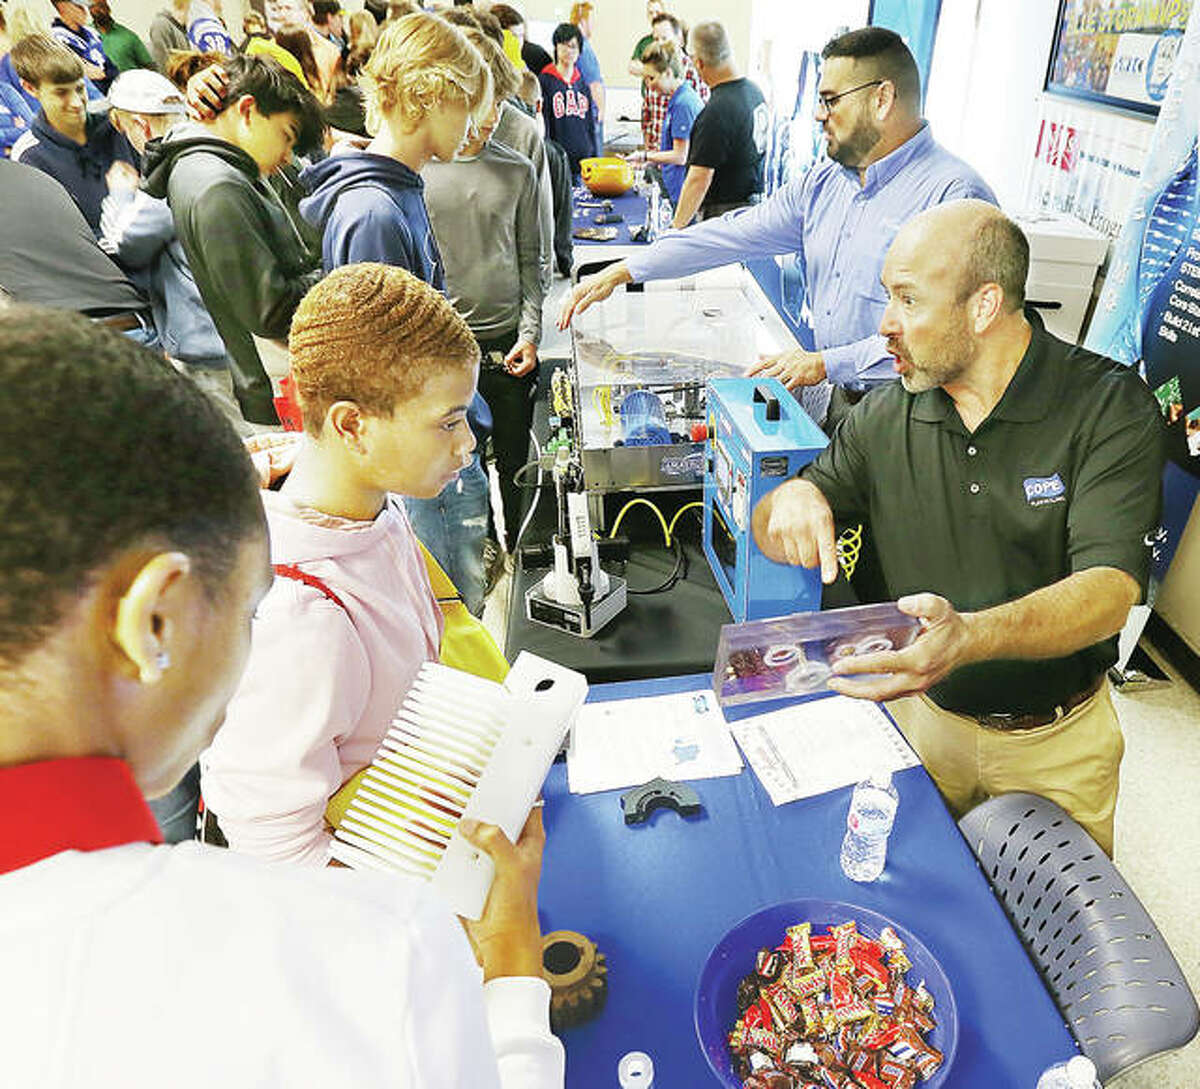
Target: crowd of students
{"points": [[347, 225]]}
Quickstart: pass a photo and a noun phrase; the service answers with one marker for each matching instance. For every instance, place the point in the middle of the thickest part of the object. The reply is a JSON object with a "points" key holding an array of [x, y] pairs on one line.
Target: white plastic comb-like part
{"points": [[460, 746]]}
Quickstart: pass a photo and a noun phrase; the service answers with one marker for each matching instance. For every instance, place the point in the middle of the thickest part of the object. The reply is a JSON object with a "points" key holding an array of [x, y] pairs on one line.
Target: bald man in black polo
{"points": [[1010, 481]]}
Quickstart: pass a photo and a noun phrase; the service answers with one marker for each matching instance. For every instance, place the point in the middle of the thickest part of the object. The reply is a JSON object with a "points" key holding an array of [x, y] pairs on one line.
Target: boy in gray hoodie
{"points": [[137, 230], [251, 255]]}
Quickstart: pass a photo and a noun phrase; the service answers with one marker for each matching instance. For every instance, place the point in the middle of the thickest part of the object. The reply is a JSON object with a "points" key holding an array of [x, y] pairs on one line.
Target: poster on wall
{"points": [[1086, 163], [1149, 312], [1117, 52]]}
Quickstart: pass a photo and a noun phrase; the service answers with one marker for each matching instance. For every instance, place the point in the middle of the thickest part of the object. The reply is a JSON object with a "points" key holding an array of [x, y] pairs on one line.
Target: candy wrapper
{"points": [[826, 1010]]}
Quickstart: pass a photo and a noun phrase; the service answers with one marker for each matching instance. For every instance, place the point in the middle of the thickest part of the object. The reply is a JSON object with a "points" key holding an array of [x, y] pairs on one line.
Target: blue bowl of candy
{"points": [[736, 956]]}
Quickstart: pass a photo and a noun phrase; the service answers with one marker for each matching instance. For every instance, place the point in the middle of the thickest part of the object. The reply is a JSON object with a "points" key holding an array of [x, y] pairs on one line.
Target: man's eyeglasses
{"points": [[827, 102]]}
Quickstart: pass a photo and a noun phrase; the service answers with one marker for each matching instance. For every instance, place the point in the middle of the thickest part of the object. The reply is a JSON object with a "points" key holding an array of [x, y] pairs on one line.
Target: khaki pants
{"points": [[1073, 761]]}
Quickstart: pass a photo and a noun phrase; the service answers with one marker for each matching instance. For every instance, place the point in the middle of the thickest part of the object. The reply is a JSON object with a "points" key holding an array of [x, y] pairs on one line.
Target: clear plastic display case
{"points": [[641, 359]]}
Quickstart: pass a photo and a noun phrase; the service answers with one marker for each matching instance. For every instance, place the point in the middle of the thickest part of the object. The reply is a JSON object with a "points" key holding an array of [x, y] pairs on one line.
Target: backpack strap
{"points": [[291, 571]]}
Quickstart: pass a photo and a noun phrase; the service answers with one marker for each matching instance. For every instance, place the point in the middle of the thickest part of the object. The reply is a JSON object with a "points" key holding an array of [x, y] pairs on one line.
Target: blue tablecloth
{"points": [[655, 898], [630, 207]]}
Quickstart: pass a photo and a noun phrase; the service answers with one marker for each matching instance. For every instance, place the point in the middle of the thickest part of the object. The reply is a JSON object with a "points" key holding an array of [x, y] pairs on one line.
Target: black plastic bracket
{"points": [[641, 801]]}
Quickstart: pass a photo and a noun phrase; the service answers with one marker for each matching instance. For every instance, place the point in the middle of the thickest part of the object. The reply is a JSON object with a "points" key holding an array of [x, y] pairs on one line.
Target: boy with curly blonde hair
{"points": [[384, 370], [425, 86]]}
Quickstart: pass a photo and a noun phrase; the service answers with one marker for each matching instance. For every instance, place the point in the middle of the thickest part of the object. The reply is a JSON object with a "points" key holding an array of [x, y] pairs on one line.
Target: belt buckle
{"points": [[999, 720]]}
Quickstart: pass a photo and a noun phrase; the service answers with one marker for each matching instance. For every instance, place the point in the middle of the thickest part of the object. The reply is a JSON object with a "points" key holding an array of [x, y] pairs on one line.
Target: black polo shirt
{"points": [[1063, 475]]}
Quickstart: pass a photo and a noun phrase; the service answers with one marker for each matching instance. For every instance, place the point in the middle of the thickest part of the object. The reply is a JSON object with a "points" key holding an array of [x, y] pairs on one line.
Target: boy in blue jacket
{"points": [[424, 85], [75, 147]]}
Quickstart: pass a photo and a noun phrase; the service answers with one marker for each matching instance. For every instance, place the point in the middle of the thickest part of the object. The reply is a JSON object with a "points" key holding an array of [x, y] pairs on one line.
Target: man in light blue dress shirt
{"points": [[840, 217]]}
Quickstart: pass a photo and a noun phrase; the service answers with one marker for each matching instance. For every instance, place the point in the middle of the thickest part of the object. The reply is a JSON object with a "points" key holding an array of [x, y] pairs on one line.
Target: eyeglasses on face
{"points": [[827, 102]]}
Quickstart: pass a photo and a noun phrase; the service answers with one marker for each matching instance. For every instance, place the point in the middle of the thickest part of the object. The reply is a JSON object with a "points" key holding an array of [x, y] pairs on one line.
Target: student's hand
{"points": [[794, 524], [272, 454], [592, 290], [206, 93], [122, 177], [94, 72], [794, 368], [943, 645], [508, 939], [521, 359]]}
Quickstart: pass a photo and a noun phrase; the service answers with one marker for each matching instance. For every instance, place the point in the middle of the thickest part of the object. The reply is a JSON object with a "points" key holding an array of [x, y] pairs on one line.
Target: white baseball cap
{"points": [[141, 91]]}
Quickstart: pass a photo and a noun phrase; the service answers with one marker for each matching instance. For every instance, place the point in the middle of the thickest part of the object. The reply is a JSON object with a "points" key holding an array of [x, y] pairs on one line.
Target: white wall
{"points": [[989, 64]]}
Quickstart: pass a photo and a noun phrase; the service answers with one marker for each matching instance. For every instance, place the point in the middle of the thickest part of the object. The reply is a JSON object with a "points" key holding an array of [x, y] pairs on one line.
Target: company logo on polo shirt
{"points": [[1040, 490]]}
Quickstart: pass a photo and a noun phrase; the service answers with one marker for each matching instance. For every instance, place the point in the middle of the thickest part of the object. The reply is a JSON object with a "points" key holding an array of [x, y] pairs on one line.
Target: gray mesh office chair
{"points": [[1107, 966]]}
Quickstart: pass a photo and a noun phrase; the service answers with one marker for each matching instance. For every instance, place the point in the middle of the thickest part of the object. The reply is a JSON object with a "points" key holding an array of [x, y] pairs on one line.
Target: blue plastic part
{"points": [[733, 957], [643, 422]]}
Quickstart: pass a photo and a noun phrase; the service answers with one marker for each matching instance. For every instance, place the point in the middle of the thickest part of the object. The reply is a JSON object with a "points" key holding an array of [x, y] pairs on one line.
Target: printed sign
{"points": [[1120, 52]]}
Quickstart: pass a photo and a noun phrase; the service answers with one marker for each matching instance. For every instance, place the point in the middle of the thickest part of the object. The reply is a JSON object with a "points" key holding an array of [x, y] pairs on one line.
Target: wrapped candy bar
{"points": [[897, 958], [784, 1006], [870, 966], [762, 1039], [747, 994], [768, 964], [800, 946], [844, 934], [847, 1006]]}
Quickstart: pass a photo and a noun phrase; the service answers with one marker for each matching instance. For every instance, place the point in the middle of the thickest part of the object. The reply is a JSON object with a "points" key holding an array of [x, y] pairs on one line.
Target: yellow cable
{"points": [[671, 527], [602, 402], [633, 503]]}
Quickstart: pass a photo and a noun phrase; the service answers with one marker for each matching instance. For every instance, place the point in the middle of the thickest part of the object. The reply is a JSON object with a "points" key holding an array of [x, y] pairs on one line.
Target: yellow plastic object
{"points": [[607, 177]]}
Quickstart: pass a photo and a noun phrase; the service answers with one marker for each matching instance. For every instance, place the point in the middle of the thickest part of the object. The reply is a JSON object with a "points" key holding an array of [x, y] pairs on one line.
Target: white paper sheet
{"points": [[624, 743], [820, 745]]}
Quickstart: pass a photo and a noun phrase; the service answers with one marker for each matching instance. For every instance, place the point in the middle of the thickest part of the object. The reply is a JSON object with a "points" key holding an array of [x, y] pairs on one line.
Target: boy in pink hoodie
{"points": [[384, 370]]}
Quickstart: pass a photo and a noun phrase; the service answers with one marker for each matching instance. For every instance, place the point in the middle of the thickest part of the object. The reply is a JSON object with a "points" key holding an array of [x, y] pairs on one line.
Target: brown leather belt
{"points": [[1032, 720], [122, 323]]}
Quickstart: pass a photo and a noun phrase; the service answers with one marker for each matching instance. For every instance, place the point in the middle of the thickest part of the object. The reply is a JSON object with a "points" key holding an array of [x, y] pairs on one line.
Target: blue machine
{"points": [[758, 437]]}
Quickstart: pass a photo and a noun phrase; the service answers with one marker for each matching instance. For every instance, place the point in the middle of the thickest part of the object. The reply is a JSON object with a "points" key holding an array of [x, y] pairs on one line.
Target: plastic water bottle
{"points": [[1076, 1073], [868, 825]]}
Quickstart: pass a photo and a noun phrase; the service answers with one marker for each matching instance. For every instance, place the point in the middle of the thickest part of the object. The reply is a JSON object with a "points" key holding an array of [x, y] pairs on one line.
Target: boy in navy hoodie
{"points": [[73, 146], [424, 84], [370, 205]]}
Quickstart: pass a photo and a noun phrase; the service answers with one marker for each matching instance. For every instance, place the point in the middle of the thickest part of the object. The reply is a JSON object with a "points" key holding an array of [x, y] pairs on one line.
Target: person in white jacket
{"points": [[134, 558]]}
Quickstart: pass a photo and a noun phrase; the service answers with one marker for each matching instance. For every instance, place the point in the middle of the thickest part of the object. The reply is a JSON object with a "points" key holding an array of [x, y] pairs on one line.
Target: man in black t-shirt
{"points": [[729, 138]]}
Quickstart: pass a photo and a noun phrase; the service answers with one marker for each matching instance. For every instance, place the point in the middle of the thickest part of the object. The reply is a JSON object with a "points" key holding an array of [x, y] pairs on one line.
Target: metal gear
{"points": [[577, 975]]}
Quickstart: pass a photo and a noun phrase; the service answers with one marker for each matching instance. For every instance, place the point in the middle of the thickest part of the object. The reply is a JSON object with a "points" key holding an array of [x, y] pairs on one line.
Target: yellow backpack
{"points": [[466, 645]]}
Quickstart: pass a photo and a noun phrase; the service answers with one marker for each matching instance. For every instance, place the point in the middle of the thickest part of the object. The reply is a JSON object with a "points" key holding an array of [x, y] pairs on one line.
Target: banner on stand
{"points": [[1149, 312]]}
